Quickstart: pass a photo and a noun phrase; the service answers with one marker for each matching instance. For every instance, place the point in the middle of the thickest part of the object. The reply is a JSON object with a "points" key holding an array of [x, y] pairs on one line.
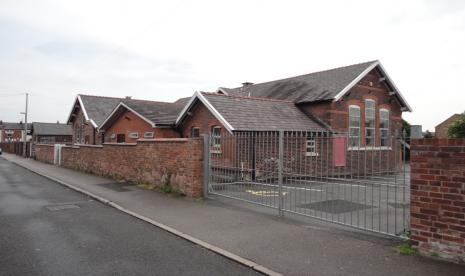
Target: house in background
{"points": [[51, 133], [13, 132], [441, 129], [87, 114], [134, 119]]}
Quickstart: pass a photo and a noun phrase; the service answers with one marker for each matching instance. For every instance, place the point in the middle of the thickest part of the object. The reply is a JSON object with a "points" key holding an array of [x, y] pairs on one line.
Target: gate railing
{"points": [[314, 174]]}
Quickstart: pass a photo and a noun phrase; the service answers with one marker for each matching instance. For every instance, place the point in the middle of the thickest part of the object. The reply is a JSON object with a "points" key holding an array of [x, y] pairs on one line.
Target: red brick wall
{"points": [[130, 122], [179, 160], [203, 119], [44, 153], [438, 197], [85, 130], [336, 114]]}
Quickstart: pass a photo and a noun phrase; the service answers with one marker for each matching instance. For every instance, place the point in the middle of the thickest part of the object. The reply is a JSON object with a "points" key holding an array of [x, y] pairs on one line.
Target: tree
{"points": [[428, 134], [406, 127], [457, 128]]}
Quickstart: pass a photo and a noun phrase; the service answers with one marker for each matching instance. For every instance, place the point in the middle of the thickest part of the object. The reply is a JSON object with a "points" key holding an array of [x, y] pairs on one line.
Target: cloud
{"points": [[168, 49]]}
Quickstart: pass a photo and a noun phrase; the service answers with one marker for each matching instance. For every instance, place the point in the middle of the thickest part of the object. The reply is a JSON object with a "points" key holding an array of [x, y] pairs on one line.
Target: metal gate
{"points": [[323, 175]]}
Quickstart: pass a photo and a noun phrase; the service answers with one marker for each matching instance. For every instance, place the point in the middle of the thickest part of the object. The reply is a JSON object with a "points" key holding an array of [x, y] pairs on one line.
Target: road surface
{"points": [[47, 229]]}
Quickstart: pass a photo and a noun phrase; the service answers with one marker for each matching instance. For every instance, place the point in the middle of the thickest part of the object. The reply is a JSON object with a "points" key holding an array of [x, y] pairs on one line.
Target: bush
{"points": [[457, 128]]}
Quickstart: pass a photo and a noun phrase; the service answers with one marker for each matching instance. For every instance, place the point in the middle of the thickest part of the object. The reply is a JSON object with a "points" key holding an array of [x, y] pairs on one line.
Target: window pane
{"points": [[370, 104], [354, 132], [354, 142], [384, 133], [370, 122], [311, 144], [354, 121]]}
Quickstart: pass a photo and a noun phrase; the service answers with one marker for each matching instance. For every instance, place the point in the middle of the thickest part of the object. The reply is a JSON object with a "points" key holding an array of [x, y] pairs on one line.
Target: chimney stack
{"points": [[245, 84], [128, 97]]}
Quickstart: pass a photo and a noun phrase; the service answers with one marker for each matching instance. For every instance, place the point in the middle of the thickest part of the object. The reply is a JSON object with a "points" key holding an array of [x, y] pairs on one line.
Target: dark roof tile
{"points": [[51, 129], [318, 86], [259, 114], [157, 112], [98, 107]]}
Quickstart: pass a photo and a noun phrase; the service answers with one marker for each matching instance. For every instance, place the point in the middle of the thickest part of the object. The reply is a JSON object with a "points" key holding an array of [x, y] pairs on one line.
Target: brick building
{"points": [[441, 129], [12, 132], [132, 120], [362, 91], [87, 114], [51, 133], [360, 101]]}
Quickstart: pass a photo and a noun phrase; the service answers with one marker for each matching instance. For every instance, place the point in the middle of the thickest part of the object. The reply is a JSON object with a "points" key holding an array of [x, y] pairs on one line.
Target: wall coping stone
{"points": [[120, 144], [88, 146], [164, 140]]}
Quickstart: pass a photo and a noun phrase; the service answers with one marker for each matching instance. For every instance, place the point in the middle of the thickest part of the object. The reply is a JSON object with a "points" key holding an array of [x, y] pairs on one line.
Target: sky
{"points": [[164, 50]]}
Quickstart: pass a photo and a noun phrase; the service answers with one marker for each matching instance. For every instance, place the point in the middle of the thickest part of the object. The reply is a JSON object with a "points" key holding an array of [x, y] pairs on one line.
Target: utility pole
{"points": [[25, 128]]}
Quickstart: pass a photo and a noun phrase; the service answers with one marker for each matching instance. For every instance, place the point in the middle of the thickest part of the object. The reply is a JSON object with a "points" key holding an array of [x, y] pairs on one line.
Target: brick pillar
{"points": [[438, 197]]}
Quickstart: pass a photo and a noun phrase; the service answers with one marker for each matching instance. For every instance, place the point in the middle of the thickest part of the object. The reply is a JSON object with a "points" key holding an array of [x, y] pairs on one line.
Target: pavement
{"points": [[292, 245], [47, 229]]}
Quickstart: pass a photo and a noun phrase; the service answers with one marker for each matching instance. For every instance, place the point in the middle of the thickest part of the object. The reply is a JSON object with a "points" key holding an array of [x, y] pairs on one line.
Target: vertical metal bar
{"points": [[395, 194], [328, 162], [403, 182], [280, 172]]}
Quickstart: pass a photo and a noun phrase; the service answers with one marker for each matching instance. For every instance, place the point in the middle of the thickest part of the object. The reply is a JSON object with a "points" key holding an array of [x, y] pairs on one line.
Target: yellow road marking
{"points": [[265, 193]]}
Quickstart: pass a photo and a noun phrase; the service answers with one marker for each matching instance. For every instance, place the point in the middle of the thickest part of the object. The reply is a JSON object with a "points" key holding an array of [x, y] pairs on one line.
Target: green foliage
{"points": [[406, 137], [457, 128], [428, 134], [406, 249], [406, 127]]}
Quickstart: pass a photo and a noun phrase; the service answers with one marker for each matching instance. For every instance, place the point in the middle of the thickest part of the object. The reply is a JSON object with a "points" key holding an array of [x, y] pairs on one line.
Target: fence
{"points": [[315, 174]]}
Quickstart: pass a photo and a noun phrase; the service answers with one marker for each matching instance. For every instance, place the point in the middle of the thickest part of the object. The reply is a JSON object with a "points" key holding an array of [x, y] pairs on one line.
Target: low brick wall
{"points": [[44, 153], [438, 197], [15, 148], [178, 162]]}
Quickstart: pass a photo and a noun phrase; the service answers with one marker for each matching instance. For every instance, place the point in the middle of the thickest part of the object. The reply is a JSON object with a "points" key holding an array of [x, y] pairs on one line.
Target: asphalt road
{"points": [[47, 229]]}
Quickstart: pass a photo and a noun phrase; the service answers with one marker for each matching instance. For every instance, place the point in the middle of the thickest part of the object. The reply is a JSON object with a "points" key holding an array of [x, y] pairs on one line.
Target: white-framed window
{"points": [[216, 138], [370, 122], [384, 127], [195, 132], [133, 135], [354, 126], [311, 144], [148, 134]]}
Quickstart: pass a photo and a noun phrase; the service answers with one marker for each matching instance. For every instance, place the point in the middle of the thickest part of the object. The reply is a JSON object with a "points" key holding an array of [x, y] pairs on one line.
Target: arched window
{"points": [[384, 127], [370, 121], [354, 126]]}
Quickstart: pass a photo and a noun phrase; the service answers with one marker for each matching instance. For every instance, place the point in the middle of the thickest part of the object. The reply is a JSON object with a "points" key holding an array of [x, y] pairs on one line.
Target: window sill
{"points": [[215, 151], [311, 154], [369, 148]]}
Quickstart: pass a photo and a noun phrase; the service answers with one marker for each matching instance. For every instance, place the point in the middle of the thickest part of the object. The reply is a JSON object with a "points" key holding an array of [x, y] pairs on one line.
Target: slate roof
{"points": [[182, 101], [98, 107], [318, 86], [51, 129], [13, 126], [260, 114], [160, 113]]}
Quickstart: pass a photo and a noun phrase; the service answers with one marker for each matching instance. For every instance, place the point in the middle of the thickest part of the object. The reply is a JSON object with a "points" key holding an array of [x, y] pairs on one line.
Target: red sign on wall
{"points": [[339, 151]]}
